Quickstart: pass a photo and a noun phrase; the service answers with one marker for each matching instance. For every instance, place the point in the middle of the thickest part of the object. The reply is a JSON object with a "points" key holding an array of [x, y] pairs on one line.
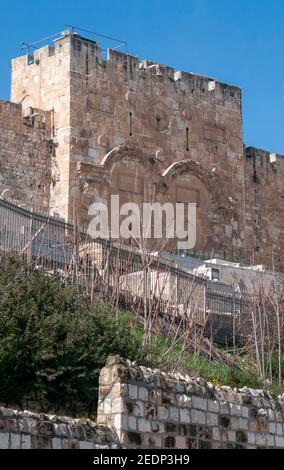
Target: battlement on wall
{"points": [[16, 117], [187, 82], [83, 55], [264, 156], [263, 164]]}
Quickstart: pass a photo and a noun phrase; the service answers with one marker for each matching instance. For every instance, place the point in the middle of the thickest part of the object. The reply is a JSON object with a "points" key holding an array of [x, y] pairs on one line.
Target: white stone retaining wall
{"points": [[150, 409], [144, 408]]}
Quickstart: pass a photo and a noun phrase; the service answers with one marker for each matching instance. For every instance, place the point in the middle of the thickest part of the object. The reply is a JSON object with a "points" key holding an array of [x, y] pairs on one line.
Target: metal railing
{"points": [[120, 273]]}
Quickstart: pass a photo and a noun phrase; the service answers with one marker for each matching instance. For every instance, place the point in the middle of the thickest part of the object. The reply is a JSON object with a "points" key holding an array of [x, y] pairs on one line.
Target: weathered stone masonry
{"points": [[143, 408], [150, 409], [26, 151], [146, 132], [27, 430]]}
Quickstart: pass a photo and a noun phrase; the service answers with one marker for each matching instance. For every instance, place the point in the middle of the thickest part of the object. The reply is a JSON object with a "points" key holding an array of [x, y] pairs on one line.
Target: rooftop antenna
{"points": [[36, 44], [28, 46], [120, 42]]}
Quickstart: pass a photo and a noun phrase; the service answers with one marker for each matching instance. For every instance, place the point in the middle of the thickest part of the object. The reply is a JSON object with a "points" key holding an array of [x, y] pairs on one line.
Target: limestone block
{"points": [[272, 428], [117, 405], [143, 393], [251, 438], [144, 425], [270, 440], [138, 408], [235, 424], [213, 406], [132, 423], [216, 434], [56, 443], [184, 400], [4, 440], [174, 414], [86, 445], [15, 441], [133, 391], [212, 419], [199, 403], [163, 413], [245, 412], [26, 441], [61, 430], [235, 410], [279, 442], [181, 442], [232, 436], [198, 417], [260, 439], [185, 416]]}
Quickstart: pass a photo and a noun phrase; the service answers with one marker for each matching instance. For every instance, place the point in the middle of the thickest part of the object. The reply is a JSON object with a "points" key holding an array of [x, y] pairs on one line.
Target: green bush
{"points": [[53, 342]]}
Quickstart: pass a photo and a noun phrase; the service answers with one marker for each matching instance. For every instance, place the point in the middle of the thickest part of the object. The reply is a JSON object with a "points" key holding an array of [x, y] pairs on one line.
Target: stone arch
{"points": [[177, 169], [27, 104], [188, 182], [130, 152], [133, 174]]}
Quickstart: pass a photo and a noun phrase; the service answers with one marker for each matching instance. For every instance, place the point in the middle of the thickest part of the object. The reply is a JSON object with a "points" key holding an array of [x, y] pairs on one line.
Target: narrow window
{"points": [[30, 59], [130, 123], [187, 139]]}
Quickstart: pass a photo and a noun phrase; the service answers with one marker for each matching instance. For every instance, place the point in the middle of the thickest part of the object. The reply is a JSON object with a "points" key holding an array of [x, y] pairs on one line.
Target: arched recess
{"points": [[27, 103], [133, 175], [183, 167], [130, 152], [189, 182]]}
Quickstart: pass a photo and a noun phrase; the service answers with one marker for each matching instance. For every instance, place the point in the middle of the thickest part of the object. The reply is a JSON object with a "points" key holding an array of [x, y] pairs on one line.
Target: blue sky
{"points": [[240, 42]]}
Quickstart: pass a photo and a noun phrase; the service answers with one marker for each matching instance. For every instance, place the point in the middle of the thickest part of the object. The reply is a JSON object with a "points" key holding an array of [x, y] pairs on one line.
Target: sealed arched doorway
{"points": [[188, 184], [132, 183]]}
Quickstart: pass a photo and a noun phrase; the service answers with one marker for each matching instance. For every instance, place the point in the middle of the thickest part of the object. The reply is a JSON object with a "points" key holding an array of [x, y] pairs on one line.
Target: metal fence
{"points": [[123, 274]]}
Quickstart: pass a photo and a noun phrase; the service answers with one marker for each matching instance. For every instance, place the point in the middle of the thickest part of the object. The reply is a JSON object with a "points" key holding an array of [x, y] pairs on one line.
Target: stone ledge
{"points": [[127, 371]]}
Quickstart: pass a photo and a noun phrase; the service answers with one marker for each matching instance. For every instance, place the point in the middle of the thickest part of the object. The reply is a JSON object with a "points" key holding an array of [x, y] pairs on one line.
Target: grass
{"points": [[195, 365]]}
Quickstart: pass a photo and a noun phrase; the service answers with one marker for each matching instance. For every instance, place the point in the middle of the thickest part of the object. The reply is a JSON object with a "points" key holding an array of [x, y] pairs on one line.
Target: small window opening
{"points": [[31, 59], [130, 123], [187, 139]]}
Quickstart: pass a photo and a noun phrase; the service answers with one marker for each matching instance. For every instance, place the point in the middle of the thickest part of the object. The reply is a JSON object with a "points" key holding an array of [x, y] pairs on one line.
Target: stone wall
{"points": [[264, 208], [27, 430], [150, 409], [43, 81], [25, 155], [156, 117], [143, 408], [146, 132], [137, 120]]}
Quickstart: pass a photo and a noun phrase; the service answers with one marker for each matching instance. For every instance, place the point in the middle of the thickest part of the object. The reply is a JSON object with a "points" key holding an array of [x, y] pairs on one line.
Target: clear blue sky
{"points": [[240, 42]]}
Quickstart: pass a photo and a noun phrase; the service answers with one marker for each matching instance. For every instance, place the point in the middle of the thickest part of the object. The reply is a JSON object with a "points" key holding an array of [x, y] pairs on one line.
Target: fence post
{"points": [[234, 323], [30, 248]]}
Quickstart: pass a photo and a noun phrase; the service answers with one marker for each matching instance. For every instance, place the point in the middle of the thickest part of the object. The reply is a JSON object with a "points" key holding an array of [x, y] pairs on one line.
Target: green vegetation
{"points": [[195, 365], [54, 343]]}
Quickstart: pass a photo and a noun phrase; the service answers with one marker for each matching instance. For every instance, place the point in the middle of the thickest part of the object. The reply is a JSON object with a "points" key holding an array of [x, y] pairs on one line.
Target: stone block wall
{"points": [[165, 116], [27, 430], [179, 137], [26, 152], [264, 208], [147, 409], [150, 409]]}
